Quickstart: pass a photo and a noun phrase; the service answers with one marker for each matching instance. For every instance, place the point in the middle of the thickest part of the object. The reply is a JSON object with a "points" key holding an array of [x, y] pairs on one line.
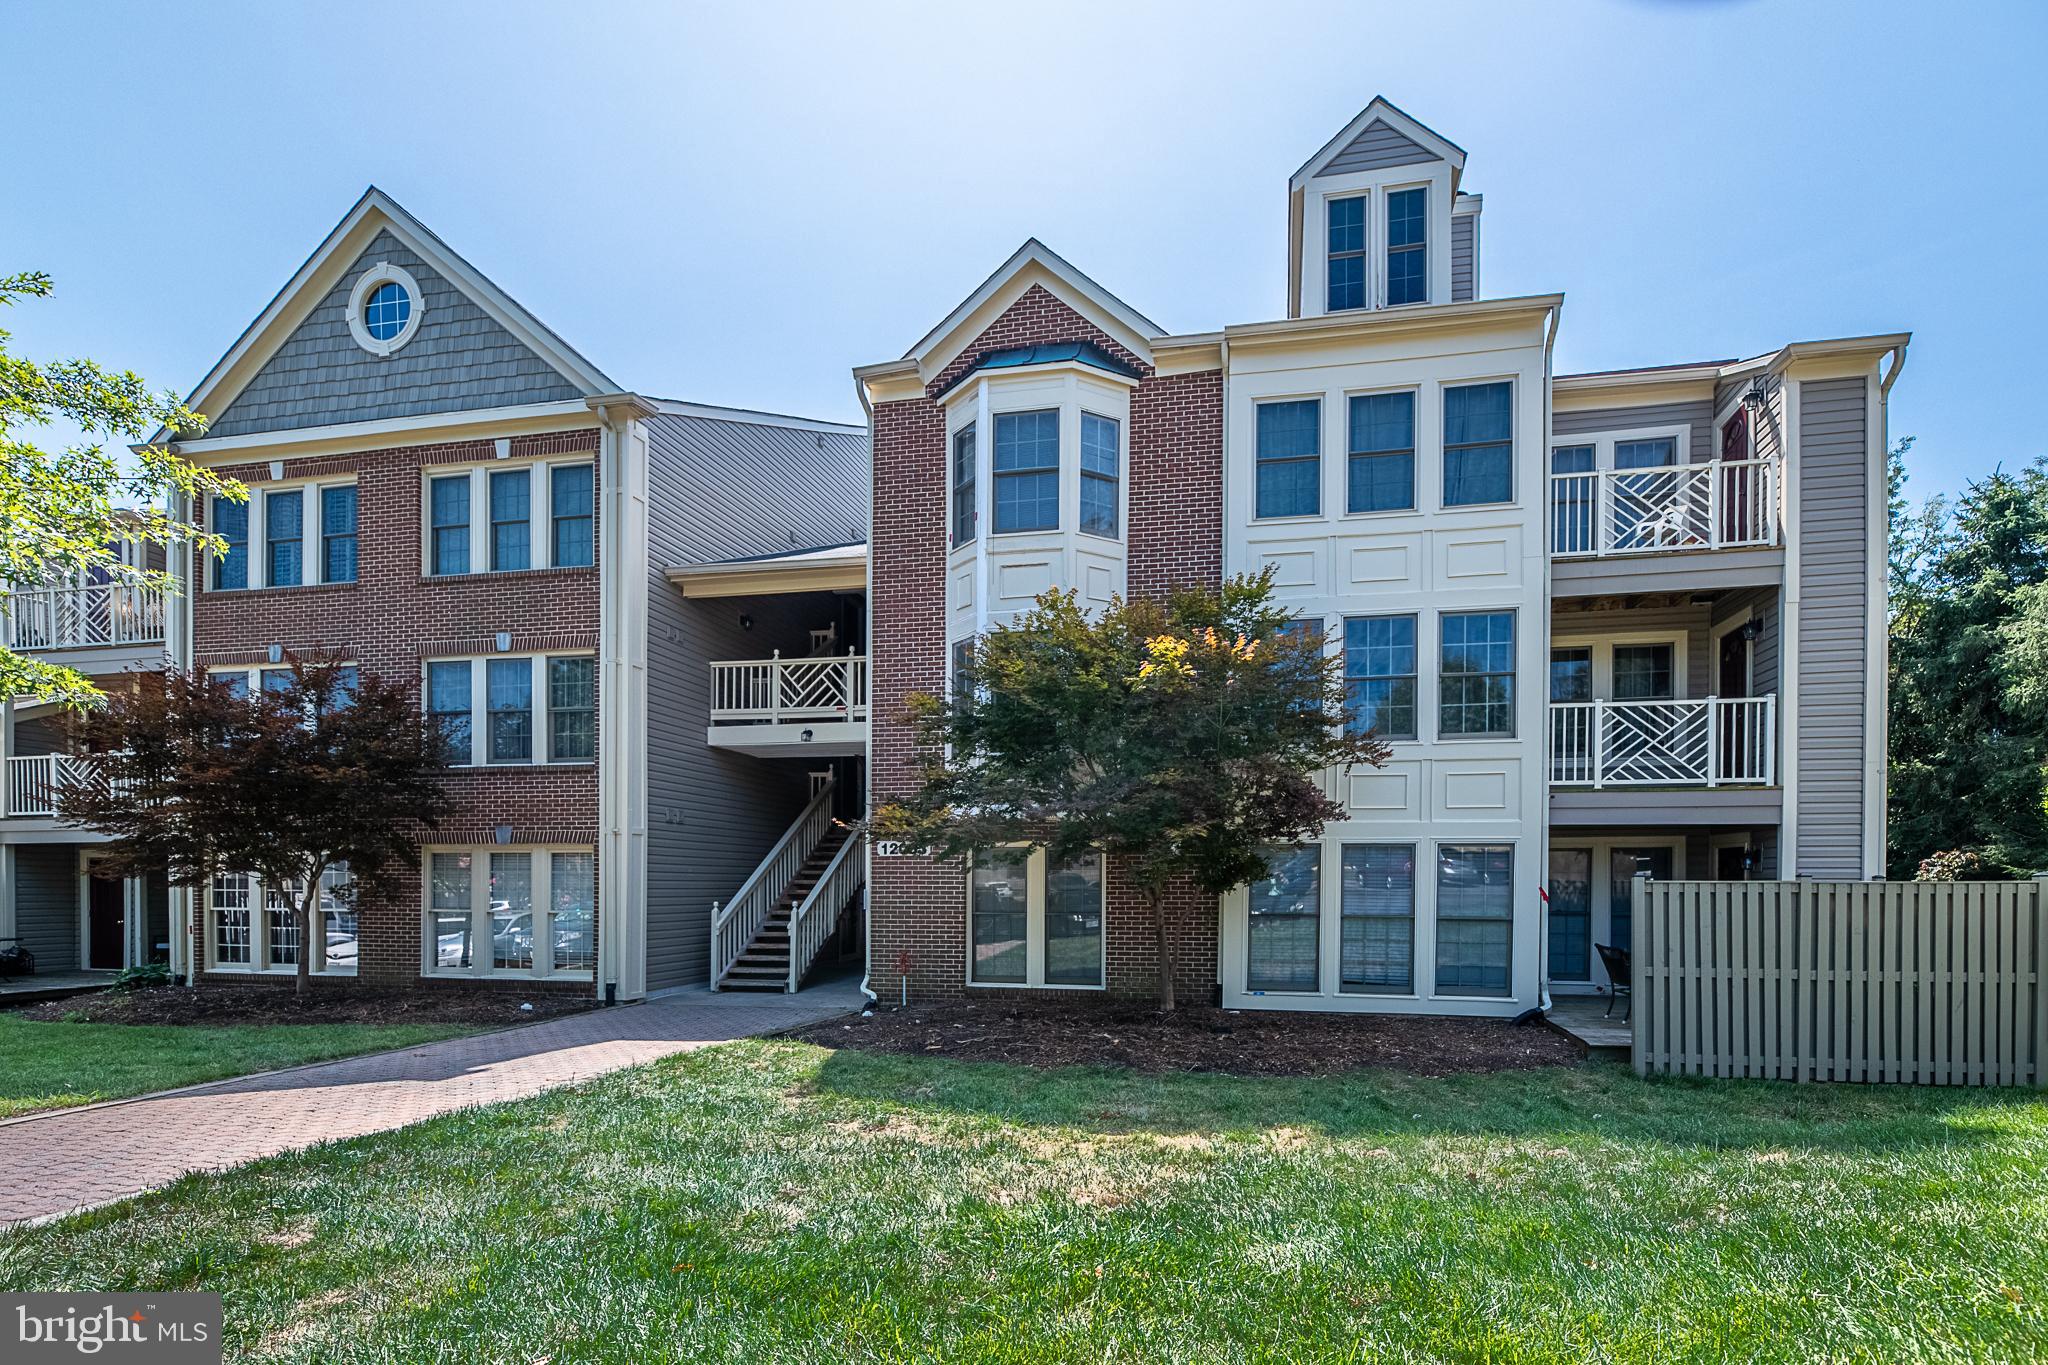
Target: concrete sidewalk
{"points": [[73, 1159]]}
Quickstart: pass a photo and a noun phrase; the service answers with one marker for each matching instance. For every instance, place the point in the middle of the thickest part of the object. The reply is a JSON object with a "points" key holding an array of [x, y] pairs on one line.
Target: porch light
{"points": [[805, 736], [1759, 392], [746, 621]]}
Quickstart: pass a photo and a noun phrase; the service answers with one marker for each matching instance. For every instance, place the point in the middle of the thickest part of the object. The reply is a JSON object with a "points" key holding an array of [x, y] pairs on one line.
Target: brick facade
{"points": [[388, 622], [917, 906]]}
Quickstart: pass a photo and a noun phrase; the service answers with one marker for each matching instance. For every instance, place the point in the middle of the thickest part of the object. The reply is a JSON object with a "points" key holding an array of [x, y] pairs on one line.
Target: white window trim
{"points": [[1383, 275], [1604, 442], [543, 968], [1437, 676], [312, 564], [479, 710], [1323, 405], [1123, 467], [1374, 232], [1600, 902], [1515, 446], [259, 963], [540, 513], [1603, 659], [252, 674], [1414, 507], [384, 272], [1035, 869]]}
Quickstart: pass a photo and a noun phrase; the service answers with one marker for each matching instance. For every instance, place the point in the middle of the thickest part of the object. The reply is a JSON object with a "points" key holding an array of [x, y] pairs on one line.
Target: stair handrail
{"points": [[734, 923], [835, 886]]}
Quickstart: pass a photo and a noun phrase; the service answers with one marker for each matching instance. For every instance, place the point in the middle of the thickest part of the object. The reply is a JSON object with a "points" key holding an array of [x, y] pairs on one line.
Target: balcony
{"points": [[98, 614], [1720, 505], [1709, 742], [32, 782], [779, 707]]}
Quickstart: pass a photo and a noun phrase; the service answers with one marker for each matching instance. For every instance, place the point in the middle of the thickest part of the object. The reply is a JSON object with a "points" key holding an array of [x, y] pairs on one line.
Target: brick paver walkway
{"points": [[56, 1163]]}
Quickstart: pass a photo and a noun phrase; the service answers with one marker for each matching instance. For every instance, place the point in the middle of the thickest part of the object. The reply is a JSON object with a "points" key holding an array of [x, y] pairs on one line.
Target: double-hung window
{"points": [[1034, 924], [1381, 473], [1377, 937], [448, 517], [511, 519], [495, 519], [1347, 273], [963, 485], [1475, 918], [572, 496], [338, 534], [1479, 447], [1380, 675], [1284, 922], [1027, 470], [231, 524], [515, 709], [253, 927], [1477, 674], [284, 537], [1100, 474], [520, 912], [1408, 246], [1289, 459]]}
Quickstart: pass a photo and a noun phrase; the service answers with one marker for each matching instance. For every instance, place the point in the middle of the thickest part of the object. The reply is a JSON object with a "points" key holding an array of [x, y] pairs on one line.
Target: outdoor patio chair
{"points": [[1616, 961]]}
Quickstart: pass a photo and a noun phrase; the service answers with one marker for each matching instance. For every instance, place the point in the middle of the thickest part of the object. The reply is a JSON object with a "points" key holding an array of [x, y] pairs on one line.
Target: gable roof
{"points": [[1395, 123], [374, 214], [1033, 263]]}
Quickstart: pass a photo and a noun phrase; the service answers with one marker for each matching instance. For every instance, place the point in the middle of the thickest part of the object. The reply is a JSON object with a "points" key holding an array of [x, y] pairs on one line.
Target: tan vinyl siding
{"points": [[1834, 586]]}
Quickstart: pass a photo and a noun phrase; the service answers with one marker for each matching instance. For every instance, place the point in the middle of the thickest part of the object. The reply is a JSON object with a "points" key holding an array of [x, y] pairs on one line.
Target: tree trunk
{"points": [[303, 971], [1167, 1003]]}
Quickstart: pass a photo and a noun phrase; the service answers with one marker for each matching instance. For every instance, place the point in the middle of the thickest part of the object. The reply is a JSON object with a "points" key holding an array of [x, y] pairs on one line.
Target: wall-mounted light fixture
{"points": [[746, 621], [1759, 392], [805, 736]]}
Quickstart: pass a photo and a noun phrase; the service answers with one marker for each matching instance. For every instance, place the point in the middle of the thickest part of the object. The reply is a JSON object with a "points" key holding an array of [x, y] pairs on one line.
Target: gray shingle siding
{"points": [[460, 360], [1376, 147], [722, 490], [1834, 587], [46, 904], [1464, 257], [1595, 421]]}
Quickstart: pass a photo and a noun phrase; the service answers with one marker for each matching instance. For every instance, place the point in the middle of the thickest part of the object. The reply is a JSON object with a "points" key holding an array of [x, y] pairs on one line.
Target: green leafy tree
{"points": [[1181, 738], [1969, 676], [197, 780], [65, 515]]}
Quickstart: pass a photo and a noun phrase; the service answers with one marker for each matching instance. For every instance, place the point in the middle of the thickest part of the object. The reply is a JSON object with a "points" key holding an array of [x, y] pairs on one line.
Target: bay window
{"points": [[963, 485], [1100, 463], [1027, 470], [518, 912]]}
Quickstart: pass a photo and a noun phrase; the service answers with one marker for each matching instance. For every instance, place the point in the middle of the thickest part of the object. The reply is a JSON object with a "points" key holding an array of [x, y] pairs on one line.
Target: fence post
{"points": [[716, 907], [2039, 968], [1599, 739], [775, 685]]}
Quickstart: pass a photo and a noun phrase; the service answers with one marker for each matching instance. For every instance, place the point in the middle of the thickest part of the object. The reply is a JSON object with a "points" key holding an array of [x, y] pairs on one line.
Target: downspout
{"points": [[867, 853], [1544, 1002]]}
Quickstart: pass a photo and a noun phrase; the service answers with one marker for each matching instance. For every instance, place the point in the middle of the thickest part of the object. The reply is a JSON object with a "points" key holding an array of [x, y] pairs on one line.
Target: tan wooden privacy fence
{"points": [[1928, 983]]}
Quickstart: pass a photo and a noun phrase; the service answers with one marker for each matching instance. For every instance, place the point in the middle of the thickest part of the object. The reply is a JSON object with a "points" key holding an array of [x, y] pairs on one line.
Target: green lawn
{"points": [[769, 1201], [55, 1066]]}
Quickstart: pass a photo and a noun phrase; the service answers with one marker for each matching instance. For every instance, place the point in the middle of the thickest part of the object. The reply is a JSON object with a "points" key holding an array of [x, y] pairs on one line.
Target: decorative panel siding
{"points": [[1834, 597], [46, 904], [722, 490], [1464, 257], [1598, 421], [460, 360], [391, 620], [1376, 147], [917, 906]]}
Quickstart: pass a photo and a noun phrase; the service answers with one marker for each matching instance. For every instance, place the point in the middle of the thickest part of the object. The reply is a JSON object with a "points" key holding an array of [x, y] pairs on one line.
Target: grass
{"points": [[57, 1066], [774, 1201]]}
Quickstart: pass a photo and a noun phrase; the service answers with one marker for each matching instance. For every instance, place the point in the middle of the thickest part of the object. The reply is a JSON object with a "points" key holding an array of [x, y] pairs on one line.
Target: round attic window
{"points": [[385, 309]]}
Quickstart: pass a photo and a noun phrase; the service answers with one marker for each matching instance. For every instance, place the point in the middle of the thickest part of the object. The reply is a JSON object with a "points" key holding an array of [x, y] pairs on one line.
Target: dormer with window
{"points": [[1376, 220]]}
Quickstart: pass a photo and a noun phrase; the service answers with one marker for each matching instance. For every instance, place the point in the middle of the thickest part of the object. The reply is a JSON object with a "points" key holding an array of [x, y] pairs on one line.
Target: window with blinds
{"points": [[1378, 940]]}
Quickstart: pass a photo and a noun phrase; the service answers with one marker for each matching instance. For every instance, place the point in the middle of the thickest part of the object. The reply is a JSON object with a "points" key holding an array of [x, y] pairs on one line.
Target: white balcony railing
{"points": [[1710, 742], [33, 781], [1714, 506], [95, 614], [779, 690]]}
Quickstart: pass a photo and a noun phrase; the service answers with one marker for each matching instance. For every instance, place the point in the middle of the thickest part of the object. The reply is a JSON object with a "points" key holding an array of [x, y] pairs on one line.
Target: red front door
{"points": [[107, 913]]}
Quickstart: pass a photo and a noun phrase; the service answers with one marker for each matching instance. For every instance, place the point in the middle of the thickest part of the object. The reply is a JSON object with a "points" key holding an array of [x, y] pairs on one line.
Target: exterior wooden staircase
{"points": [[770, 933]]}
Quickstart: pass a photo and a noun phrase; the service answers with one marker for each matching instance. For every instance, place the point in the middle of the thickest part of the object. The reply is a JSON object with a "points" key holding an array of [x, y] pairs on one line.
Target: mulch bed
{"points": [[231, 1005], [1244, 1043]]}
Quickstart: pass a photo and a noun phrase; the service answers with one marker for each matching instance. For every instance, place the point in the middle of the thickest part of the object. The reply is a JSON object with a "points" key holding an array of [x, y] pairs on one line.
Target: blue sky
{"points": [[737, 204]]}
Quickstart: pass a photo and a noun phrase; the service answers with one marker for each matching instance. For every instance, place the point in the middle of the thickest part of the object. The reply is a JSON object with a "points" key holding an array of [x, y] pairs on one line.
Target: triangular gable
{"points": [[297, 365], [1380, 136], [1033, 266]]}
